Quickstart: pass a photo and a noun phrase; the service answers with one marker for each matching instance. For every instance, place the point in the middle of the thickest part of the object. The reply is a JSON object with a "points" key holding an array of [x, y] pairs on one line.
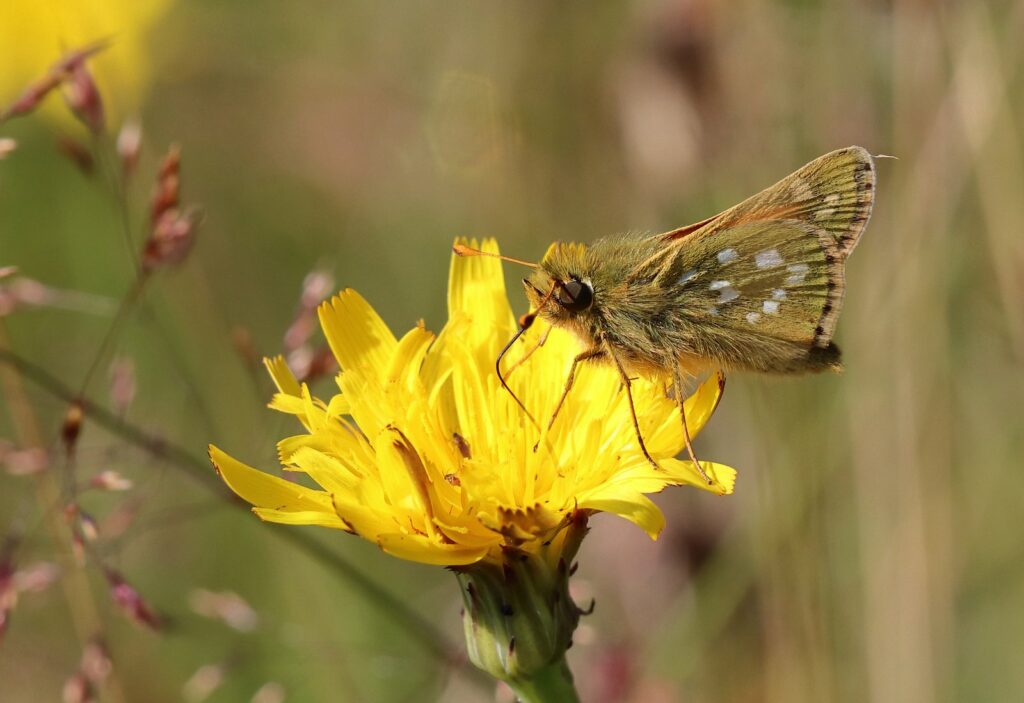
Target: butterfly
{"points": [[758, 287]]}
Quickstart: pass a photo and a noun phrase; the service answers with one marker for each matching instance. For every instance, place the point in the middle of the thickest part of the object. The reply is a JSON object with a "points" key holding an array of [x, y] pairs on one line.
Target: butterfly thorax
{"points": [[627, 312]]}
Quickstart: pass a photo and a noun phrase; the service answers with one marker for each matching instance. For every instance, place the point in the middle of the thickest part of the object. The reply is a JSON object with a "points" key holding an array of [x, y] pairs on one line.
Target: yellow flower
{"points": [[423, 452], [35, 33]]}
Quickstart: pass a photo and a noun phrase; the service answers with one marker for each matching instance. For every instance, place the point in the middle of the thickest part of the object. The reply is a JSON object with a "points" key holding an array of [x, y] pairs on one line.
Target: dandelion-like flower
{"points": [[424, 453]]}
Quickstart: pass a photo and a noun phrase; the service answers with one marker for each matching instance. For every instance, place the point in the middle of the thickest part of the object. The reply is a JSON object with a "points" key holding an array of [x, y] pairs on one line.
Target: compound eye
{"points": [[575, 296]]}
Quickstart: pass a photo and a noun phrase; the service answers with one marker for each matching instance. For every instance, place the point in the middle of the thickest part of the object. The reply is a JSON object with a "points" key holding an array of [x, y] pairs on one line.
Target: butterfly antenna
{"points": [[525, 322], [463, 250], [504, 384]]}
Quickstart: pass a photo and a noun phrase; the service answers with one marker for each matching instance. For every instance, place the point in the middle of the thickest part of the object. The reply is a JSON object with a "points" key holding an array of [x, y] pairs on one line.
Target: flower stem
{"points": [[552, 684]]}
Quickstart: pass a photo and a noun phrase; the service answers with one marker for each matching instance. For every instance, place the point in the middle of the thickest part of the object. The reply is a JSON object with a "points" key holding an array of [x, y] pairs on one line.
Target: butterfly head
{"points": [[561, 289], [560, 300]]}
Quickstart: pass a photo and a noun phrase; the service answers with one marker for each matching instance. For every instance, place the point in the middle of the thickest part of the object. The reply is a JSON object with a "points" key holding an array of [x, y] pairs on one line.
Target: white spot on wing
{"points": [[727, 256], [725, 291], [771, 307], [687, 276], [753, 317], [768, 258], [832, 199], [824, 213], [798, 272], [778, 294]]}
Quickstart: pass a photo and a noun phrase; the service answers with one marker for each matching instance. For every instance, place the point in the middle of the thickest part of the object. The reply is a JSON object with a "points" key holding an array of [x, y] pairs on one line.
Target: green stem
{"points": [[552, 684]]}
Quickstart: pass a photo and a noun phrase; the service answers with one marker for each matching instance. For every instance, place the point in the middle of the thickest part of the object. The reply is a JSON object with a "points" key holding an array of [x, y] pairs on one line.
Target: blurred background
{"points": [[872, 550]]}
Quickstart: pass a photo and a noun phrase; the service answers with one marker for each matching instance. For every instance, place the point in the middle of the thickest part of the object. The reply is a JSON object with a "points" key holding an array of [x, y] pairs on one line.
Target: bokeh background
{"points": [[873, 548]]}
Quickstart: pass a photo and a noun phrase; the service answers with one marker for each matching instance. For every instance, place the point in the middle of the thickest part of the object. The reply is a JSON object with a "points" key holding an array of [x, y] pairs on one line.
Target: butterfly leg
{"points": [[677, 383], [581, 357], [540, 343], [628, 384]]}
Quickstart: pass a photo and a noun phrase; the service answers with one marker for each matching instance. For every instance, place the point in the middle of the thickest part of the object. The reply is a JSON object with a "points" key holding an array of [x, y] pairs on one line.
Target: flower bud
{"points": [[168, 185], [129, 145], [518, 616], [83, 97], [31, 97], [171, 239], [96, 664], [110, 480], [130, 601], [72, 426], [63, 71], [77, 689]]}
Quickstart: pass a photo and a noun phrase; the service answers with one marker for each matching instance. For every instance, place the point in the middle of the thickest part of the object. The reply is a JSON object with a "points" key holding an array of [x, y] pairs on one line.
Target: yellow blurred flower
{"points": [[35, 33], [426, 455]]}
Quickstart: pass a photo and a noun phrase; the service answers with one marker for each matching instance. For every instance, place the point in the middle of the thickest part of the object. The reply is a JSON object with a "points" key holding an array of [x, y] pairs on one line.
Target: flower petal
{"points": [[289, 398], [288, 404], [427, 551], [302, 517], [266, 491], [700, 406], [621, 493], [476, 289], [404, 367], [635, 507], [358, 337], [663, 432], [675, 472], [283, 377], [332, 475]]}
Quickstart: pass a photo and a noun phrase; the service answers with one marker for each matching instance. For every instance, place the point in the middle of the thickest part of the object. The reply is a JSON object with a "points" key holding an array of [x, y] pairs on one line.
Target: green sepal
{"points": [[518, 616]]}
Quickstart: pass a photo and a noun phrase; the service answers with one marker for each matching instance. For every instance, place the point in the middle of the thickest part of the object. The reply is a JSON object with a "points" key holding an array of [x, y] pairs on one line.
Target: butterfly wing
{"points": [[835, 193], [760, 285]]}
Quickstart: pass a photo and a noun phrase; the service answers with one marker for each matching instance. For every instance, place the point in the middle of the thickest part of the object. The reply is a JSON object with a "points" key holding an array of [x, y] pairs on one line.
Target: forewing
{"points": [[833, 193], [760, 285], [745, 286]]}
